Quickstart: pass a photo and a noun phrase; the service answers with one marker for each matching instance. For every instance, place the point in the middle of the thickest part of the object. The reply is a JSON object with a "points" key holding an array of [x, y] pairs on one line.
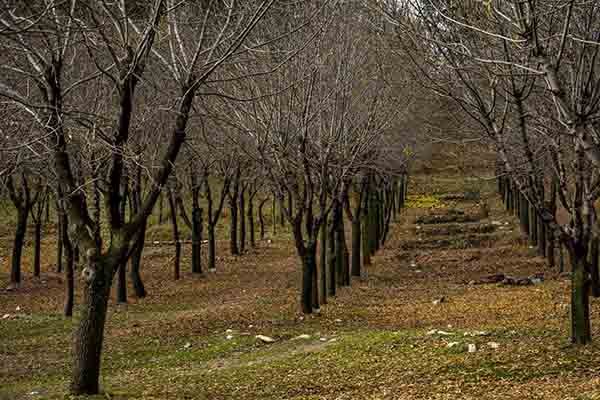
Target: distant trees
{"points": [[100, 100], [526, 73]]}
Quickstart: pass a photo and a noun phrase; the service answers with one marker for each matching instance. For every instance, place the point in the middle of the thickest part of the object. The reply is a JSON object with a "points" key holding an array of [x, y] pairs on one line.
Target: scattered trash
{"points": [[265, 339], [338, 320], [493, 345], [6, 316], [18, 308], [229, 337], [302, 337], [440, 300], [323, 339], [477, 333], [438, 332], [187, 345], [452, 344], [229, 331], [472, 348]]}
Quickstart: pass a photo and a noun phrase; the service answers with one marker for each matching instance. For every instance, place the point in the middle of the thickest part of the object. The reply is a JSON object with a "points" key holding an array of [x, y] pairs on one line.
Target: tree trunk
{"points": [[594, 275], [38, 247], [323, 262], [242, 217], [551, 249], [261, 219], [345, 253], [19, 242], [372, 219], [89, 335], [331, 259], [580, 307], [160, 209], [69, 270], [366, 250], [197, 240], [309, 260], [233, 241], [251, 221], [136, 260], [315, 282], [122, 283], [59, 242], [339, 243]]}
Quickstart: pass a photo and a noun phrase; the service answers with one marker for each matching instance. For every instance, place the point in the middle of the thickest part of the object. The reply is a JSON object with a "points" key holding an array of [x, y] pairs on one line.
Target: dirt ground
{"points": [[402, 331]]}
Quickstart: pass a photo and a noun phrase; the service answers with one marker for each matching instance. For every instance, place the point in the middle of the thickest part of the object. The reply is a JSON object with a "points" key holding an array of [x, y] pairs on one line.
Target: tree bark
{"points": [[250, 214], [580, 307], [197, 240], [139, 289], [176, 238], [331, 255], [323, 262], [69, 269], [19, 242], [309, 260], [89, 335], [594, 273], [261, 218], [242, 217]]}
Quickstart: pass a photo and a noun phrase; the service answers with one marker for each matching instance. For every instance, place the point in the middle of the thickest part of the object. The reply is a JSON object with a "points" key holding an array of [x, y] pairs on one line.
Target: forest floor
{"points": [[402, 331]]}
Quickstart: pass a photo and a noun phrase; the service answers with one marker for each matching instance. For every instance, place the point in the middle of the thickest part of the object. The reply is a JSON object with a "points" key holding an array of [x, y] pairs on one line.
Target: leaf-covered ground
{"points": [[388, 336]]}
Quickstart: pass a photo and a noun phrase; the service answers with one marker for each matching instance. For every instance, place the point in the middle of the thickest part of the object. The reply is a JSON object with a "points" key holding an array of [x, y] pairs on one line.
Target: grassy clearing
{"points": [[195, 338]]}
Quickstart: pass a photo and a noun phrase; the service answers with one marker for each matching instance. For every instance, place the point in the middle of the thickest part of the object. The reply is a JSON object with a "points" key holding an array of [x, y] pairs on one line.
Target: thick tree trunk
{"points": [[19, 242], [339, 243], [594, 275], [345, 253], [366, 250], [136, 261], [69, 271], [122, 283], [37, 248], [315, 282], [309, 260], [551, 249], [233, 240], [122, 270], [331, 255], [261, 219], [323, 262], [242, 216], [176, 238], [160, 208], [89, 335], [251, 221], [373, 220], [197, 241], [59, 242], [580, 307]]}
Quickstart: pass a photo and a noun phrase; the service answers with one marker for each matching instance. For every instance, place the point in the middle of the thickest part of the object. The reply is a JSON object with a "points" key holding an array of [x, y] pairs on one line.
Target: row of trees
{"points": [[527, 74], [110, 106]]}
